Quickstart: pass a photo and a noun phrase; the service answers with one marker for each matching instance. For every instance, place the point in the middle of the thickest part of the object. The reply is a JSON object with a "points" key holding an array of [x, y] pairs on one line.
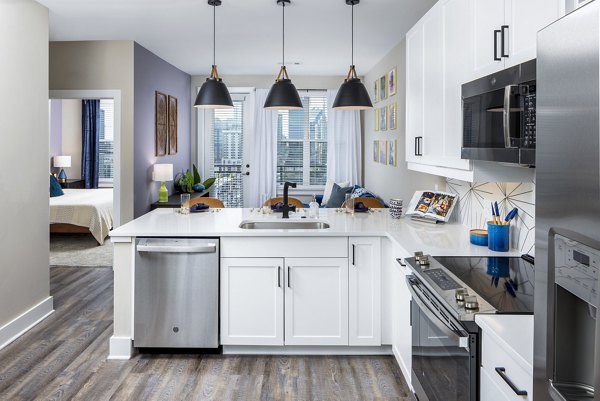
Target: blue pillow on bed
{"points": [[55, 188]]}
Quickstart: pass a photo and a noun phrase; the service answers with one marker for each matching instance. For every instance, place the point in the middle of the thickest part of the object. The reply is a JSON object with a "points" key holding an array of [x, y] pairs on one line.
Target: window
{"points": [[106, 171], [226, 153], [302, 142]]}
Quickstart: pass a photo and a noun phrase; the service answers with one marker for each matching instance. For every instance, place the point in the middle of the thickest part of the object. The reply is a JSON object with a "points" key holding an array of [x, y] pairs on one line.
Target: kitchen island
{"points": [[349, 269]]}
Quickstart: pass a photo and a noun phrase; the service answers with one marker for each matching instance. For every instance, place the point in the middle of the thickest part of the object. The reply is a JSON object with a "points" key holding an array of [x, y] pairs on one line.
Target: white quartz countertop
{"points": [[514, 332], [450, 239]]}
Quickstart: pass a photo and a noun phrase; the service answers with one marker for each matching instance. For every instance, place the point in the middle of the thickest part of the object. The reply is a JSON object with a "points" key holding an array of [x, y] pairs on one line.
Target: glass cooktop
{"points": [[506, 283]]}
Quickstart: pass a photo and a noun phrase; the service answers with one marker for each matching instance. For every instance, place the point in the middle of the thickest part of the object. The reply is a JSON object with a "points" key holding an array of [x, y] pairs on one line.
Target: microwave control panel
{"points": [[576, 268], [528, 95]]}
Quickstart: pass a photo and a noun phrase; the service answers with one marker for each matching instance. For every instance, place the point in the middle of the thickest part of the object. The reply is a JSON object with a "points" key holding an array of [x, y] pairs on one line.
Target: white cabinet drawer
{"points": [[284, 247], [488, 390], [495, 356]]}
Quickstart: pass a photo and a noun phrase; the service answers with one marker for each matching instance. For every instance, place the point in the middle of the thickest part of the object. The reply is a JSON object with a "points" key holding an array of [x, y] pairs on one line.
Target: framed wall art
{"points": [[172, 117], [383, 88], [392, 153], [161, 123], [392, 80], [383, 152], [376, 151], [393, 116], [383, 118]]}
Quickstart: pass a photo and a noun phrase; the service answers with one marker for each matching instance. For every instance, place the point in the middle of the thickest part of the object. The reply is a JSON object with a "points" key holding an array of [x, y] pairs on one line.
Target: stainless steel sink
{"points": [[284, 225]]}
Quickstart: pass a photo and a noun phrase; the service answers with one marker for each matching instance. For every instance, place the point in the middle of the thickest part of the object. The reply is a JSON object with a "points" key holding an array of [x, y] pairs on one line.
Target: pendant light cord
{"points": [[214, 33], [352, 34], [283, 61]]}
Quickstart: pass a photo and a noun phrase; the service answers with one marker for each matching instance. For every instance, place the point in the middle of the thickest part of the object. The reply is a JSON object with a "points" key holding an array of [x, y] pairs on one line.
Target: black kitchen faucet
{"points": [[286, 208]]}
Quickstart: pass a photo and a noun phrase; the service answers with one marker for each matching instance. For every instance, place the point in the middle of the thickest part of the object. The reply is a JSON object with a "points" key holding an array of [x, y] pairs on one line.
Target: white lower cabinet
{"points": [[401, 319], [330, 297], [316, 301], [252, 301], [364, 280]]}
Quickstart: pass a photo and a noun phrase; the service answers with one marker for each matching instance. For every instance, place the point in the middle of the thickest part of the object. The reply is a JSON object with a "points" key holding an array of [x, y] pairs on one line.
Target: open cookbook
{"points": [[432, 205]]}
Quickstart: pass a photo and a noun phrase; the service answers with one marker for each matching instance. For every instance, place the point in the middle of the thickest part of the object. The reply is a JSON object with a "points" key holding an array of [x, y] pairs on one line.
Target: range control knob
{"points": [[460, 294], [471, 302]]}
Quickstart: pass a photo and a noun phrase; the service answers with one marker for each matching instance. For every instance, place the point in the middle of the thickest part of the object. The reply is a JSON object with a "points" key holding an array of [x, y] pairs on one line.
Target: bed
{"points": [[83, 211]]}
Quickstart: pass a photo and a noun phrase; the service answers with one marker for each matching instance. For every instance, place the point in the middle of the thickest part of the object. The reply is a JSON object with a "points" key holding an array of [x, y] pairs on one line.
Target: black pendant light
{"points": [[352, 94], [283, 94], [214, 93]]}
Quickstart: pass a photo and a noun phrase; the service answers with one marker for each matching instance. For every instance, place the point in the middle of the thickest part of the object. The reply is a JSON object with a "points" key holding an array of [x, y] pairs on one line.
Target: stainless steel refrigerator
{"points": [[567, 333]]}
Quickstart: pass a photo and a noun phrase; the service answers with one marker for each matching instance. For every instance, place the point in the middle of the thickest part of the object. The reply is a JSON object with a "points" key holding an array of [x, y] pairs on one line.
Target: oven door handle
{"points": [[506, 115], [461, 338]]}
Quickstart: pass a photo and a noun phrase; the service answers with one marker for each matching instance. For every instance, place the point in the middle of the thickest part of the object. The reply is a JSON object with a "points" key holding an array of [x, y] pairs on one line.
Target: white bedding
{"points": [[91, 208]]}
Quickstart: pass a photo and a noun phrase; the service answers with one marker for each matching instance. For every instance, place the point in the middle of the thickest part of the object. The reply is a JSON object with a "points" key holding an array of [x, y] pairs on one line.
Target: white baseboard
{"points": [[22, 323], [407, 374], [120, 348], [305, 350]]}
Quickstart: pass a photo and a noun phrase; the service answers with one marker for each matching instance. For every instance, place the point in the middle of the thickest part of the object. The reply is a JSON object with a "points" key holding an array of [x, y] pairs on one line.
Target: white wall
{"points": [[387, 181], [24, 212], [71, 135]]}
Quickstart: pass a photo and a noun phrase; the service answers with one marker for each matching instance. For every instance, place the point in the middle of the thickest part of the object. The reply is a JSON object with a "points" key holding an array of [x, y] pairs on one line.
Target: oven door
{"points": [[444, 354]]}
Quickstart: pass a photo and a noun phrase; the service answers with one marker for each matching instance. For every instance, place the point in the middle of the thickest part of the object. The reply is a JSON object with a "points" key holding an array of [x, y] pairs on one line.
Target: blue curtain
{"points": [[90, 144]]}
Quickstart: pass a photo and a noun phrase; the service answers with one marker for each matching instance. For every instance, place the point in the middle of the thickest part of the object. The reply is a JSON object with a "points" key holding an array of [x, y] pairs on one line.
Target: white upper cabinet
{"points": [[487, 22], [456, 42], [414, 92], [524, 19]]}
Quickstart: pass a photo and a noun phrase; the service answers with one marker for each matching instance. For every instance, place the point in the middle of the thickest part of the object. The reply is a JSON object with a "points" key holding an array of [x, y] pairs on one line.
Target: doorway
{"points": [[228, 148]]}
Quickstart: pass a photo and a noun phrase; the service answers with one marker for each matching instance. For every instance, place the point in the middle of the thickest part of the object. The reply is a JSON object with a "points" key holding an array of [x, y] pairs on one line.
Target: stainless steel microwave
{"points": [[499, 116]]}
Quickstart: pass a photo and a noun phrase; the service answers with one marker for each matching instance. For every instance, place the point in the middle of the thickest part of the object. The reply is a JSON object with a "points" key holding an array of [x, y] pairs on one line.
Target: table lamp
{"points": [[61, 162], [162, 173]]}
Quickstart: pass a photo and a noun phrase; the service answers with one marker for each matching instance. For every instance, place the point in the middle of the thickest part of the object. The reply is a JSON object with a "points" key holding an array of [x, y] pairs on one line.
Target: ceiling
{"points": [[248, 31]]}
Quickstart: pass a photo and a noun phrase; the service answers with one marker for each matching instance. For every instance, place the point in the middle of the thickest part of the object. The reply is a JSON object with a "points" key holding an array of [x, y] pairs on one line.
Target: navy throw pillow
{"points": [[55, 188], [338, 196]]}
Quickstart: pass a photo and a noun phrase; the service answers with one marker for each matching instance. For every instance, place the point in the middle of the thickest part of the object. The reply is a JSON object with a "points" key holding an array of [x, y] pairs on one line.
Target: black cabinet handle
{"points": [[247, 173], [288, 278], [496, 32], [279, 276], [502, 373], [353, 254], [503, 41], [419, 146], [410, 304]]}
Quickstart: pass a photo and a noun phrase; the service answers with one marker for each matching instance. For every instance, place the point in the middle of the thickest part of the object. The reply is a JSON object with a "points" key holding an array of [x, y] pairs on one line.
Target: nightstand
{"points": [[76, 183]]}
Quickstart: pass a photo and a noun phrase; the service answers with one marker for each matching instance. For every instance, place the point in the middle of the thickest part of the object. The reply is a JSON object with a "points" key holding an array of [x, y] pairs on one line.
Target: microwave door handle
{"points": [[437, 321], [506, 115]]}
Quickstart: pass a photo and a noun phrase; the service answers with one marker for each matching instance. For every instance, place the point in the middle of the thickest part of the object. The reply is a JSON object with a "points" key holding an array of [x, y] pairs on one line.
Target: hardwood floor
{"points": [[64, 358]]}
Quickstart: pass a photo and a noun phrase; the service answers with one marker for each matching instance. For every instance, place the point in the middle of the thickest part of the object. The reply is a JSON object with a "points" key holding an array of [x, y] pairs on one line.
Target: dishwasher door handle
{"points": [[205, 248]]}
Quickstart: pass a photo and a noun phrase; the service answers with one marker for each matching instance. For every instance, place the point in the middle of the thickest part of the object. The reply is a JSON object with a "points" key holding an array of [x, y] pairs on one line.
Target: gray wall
{"points": [[387, 181], [24, 127], [101, 65], [55, 130], [154, 74]]}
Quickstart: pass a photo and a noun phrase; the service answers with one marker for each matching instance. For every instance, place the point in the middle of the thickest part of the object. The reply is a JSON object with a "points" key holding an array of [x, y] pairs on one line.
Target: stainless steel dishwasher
{"points": [[176, 293]]}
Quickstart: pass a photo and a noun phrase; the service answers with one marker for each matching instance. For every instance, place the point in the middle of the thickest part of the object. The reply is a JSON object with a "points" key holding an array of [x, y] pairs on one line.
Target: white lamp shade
{"points": [[162, 172], [62, 161]]}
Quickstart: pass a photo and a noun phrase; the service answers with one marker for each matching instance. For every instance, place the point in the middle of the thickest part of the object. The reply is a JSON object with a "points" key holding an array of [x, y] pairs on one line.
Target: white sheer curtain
{"points": [[343, 143], [264, 174]]}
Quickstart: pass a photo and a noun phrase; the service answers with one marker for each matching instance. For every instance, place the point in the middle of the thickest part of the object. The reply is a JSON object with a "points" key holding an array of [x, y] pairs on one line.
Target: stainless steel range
{"points": [[447, 293]]}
